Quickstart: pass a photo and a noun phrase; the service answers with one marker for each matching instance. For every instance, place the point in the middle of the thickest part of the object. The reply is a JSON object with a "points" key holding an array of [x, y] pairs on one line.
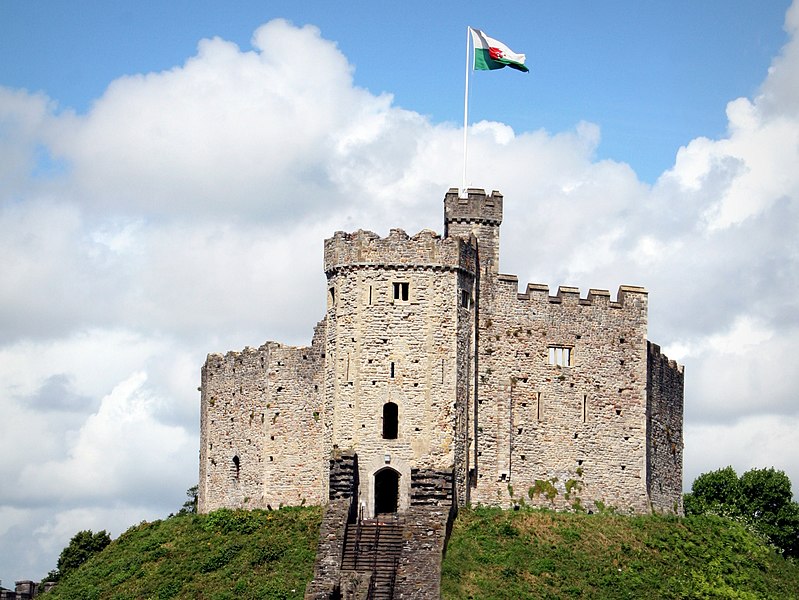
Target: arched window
{"points": [[236, 467], [390, 421]]}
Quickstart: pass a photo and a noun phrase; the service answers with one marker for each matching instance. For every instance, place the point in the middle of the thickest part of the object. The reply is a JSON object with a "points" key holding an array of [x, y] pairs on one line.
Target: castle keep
{"points": [[432, 382]]}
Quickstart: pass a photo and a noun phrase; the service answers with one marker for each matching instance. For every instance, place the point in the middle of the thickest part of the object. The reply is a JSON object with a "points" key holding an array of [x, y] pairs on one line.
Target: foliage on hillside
{"points": [[761, 499], [81, 548], [227, 554], [512, 555]]}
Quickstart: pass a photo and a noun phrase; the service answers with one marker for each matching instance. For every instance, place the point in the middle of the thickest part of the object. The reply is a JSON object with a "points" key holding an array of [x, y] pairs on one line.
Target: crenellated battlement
{"points": [[426, 249], [656, 355], [539, 292], [229, 359], [476, 206]]}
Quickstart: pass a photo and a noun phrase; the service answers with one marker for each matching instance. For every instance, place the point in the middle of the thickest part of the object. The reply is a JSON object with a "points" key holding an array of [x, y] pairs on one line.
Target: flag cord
{"points": [[463, 193]]}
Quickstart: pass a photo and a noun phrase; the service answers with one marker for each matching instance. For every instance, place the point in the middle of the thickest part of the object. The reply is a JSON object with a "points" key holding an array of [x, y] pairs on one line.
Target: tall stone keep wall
{"points": [[665, 384], [569, 433], [261, 428], [395, 336]]}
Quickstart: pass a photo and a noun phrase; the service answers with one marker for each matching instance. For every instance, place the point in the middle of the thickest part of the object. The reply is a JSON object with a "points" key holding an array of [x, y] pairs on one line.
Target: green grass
{"points": [[220, 556], [492, 554], [495, 554]]}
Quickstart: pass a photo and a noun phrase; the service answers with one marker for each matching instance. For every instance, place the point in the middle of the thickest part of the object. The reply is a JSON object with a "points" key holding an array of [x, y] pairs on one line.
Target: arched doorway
{"points": [[386, 491]]}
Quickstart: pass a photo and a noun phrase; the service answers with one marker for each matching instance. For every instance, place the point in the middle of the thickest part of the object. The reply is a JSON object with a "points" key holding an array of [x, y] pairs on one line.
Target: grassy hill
{"points": [[492, 554], [224, 555], [532, 554]]}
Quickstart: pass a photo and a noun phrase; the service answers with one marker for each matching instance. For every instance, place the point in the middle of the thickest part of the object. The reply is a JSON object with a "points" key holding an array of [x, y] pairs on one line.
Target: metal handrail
{"points": [[393, 579], [371, 590]]}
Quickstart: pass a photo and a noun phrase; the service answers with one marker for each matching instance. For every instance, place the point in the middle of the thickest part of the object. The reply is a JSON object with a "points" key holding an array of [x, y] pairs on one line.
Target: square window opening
{"points": [[560, 356], [401, 291]]}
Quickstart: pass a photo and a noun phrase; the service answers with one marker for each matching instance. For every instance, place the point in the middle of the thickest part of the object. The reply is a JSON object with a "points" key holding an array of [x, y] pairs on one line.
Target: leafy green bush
{"points": [[760, 499], [81, 548]]}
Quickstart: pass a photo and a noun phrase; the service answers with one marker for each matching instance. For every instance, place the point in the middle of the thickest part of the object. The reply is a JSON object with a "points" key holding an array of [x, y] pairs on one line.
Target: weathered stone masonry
{"points": [[450, 386]]}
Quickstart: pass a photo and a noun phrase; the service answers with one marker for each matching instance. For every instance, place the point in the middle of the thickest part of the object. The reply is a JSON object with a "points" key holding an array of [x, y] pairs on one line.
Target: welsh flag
{"points": [[490, 54]]}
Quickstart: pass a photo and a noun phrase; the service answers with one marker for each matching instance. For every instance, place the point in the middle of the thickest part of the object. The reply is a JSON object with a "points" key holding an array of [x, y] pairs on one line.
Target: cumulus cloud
{"points": [[114, 453], [184, 213]]}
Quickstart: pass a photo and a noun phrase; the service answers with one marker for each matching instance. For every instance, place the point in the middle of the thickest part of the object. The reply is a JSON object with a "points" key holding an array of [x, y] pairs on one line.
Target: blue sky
{"points": [[169, 171], [653, 75]]}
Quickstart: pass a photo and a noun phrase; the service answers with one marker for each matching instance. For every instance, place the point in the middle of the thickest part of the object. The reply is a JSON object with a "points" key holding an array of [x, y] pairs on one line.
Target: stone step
{"points": [[375, 546]]}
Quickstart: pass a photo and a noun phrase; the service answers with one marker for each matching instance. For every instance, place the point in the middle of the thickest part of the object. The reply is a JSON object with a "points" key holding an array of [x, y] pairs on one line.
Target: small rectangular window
{"points": [[560, 356], [331, 297], [464, 299], [401, 291]]}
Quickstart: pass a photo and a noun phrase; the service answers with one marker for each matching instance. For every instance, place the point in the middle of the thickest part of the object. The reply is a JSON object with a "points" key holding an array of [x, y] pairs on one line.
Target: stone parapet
{"points": [[425, 250], [327, 569], [426, 534], [476, 206], [538, 292]]}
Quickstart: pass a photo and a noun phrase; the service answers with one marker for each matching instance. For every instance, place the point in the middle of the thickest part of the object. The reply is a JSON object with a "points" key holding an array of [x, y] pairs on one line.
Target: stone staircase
{"points": [[373, 547]]}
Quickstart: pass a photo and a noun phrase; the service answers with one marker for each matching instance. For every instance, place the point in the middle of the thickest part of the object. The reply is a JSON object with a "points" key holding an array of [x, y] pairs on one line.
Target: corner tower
{"points": [[476, 214], [397, 361]]}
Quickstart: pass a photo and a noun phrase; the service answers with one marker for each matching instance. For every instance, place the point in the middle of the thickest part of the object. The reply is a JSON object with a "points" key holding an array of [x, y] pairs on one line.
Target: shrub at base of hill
{"points": [[81, 548], [222, 555], [529, 553], [760, 499]]}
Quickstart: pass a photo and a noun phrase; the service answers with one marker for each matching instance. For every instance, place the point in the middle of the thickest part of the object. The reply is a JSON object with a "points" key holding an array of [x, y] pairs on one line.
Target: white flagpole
{"points": [[463, 193]]}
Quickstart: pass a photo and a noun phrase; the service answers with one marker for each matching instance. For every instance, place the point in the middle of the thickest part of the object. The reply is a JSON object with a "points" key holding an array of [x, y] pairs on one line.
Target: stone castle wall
{"points": [[556, 435], [665, 436], [261, 428]]}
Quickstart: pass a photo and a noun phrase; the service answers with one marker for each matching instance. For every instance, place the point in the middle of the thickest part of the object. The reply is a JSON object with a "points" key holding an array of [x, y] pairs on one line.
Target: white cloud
{"points": [[186, 211], [121, 451]]}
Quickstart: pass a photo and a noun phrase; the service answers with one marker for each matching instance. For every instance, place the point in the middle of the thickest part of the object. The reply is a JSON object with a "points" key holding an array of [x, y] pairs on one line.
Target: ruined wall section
{"points": [[397, 333], [562, 434], [665, 384], [261, 431]]}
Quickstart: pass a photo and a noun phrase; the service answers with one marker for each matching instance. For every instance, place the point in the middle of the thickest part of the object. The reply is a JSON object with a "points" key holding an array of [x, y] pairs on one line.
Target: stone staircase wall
{"points": [[425, 536], [327, 568], [404, 552]]}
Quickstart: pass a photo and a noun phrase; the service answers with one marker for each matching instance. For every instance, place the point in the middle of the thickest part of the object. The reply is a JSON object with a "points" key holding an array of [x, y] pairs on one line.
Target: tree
{"points": [[768, 502], [717, 492], [761, 498], [81, 548], [190, 505]]}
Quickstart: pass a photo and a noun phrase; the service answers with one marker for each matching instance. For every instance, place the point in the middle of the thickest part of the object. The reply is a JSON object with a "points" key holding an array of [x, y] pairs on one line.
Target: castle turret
{"points": [[476, 214], [397, 360]]}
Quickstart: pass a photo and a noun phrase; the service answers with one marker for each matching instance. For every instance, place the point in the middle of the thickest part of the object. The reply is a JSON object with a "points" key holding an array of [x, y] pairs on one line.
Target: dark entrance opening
{"points": [[386, 491]]}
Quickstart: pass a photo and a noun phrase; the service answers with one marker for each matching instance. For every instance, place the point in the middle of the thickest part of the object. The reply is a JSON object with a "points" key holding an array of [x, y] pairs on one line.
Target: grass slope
{"points": [[220, 556], [492, 554], [495, 554]]}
